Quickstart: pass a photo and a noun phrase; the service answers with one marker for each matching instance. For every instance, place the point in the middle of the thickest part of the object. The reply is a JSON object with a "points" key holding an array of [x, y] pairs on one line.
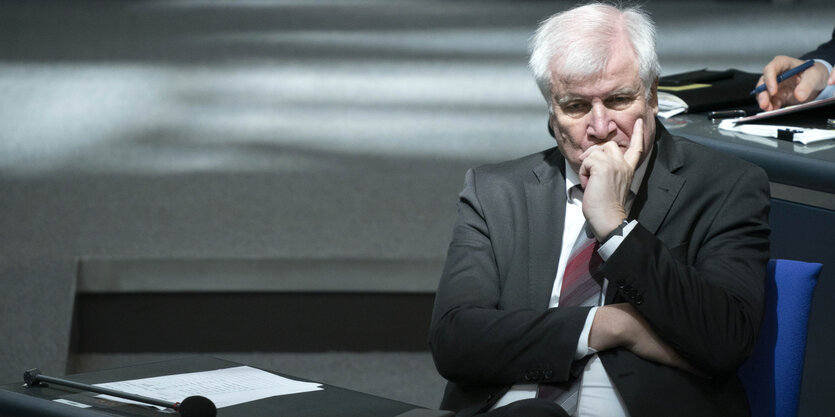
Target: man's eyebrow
{"points": [[624, 90], [567, 98]]}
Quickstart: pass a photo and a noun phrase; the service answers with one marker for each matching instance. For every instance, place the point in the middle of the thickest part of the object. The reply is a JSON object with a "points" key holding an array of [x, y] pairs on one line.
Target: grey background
{"points": [[281, 130]]}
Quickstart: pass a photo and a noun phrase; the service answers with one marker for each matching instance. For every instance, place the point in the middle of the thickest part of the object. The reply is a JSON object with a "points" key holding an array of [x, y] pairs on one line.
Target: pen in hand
{"points": [[785, 75]]}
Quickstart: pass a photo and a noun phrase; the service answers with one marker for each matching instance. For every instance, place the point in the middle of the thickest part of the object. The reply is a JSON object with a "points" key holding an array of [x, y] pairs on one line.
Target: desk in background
{"points": [[810, 168], [17, 400]]}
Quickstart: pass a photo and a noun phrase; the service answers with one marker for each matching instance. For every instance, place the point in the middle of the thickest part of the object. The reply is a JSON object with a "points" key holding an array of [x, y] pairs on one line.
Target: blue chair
{"points": [[772, 374]]}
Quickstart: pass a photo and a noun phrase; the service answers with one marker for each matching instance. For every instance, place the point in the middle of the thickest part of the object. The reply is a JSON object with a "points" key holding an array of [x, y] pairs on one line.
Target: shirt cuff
{"points": [[583, 348], [829, 91], [607, 249]]}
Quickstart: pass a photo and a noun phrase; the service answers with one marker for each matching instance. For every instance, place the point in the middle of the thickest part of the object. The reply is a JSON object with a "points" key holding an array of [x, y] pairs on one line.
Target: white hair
{"points": [[576, 43]]}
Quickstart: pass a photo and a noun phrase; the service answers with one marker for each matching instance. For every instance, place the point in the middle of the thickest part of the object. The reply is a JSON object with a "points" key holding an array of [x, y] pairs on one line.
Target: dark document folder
{"points": [[706, 90]]}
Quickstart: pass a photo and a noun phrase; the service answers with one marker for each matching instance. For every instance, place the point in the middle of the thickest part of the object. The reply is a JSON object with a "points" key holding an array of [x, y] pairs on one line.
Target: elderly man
{"points": [[620, 273]]}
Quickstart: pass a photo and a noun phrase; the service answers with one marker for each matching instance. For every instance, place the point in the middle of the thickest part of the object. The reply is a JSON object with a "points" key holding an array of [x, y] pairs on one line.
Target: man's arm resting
{"points": [[619, 325], [704, 296]]}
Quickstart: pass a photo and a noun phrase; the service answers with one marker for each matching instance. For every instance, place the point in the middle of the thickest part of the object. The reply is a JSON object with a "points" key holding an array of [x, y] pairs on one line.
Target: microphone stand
{"points": [[195, 406]]}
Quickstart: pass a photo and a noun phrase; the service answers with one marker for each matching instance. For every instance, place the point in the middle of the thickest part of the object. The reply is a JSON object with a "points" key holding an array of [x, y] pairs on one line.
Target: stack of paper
{"points": [[804, 131], [804, 136]]}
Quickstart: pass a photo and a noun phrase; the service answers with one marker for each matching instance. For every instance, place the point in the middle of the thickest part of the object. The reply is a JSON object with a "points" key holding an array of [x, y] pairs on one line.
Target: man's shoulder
{"points": [[522, 168], [711, 162]]}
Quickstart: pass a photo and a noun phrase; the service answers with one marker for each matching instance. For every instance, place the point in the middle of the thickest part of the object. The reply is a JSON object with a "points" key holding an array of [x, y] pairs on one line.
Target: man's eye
{"points": [[619, 101], [575, 107]]}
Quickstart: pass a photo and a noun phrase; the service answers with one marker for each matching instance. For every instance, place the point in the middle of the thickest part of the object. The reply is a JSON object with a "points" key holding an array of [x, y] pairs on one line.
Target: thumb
{"points": [[806, 87], [636, 145], [802, 92]]}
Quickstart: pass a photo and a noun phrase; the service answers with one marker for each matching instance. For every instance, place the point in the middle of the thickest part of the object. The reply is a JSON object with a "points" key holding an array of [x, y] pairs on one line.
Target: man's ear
{"points": [[551, 124], [653, 98]]}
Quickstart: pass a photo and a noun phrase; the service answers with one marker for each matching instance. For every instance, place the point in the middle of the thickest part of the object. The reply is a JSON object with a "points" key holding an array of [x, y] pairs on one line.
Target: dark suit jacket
{"points": [[825, 51], [694, 267]]}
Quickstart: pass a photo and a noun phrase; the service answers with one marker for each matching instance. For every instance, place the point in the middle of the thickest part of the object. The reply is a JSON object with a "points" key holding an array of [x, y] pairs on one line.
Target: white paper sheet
{"points": [[225, 387], [670, 105], [802, 135]]}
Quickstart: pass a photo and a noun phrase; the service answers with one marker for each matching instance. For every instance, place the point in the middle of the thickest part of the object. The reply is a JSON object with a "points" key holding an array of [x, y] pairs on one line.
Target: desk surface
{"points": [[331, 401], [806, 166]]}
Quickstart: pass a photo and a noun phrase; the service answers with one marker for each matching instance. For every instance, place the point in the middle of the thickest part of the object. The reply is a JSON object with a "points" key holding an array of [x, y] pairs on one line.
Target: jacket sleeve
{"points": [[704, 294], [475, 338], [825, 51]]}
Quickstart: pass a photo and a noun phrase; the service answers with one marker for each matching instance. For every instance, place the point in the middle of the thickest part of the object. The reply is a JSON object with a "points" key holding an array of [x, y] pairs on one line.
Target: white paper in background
{"points": [[802, 135], [670, 105], [225, 387]]}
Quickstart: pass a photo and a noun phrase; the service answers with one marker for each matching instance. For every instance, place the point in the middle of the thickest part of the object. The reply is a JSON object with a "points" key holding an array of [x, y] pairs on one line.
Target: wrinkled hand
{"points": [[798, 89], [620, 325], [606, 175]]}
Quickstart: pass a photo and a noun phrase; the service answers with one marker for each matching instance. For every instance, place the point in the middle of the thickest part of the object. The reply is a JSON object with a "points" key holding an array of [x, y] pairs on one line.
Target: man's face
{"points": [[602, 108]]}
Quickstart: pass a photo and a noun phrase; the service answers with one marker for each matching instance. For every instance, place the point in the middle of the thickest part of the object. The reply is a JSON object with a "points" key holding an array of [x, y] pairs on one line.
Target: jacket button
{"points": [[548, 374], [639, 300], [621, 283]]}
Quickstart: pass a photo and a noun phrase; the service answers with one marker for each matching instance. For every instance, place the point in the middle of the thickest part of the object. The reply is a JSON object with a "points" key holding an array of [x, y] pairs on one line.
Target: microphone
{"points": [[194, 406]]}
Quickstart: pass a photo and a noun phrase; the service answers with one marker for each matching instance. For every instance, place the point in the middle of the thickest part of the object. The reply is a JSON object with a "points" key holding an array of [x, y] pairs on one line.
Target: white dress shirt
{"points": [[829, 91], [597, 394]]}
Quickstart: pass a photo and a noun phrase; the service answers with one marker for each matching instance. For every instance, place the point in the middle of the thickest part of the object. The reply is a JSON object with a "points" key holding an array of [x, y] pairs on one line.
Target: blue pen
{"points": [[786, 75]]}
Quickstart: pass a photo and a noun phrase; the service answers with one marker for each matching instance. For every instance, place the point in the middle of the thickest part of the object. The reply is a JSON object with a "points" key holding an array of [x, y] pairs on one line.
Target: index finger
{"points": [[769, 76], [779, 64], [636, 145], [763, 98]]}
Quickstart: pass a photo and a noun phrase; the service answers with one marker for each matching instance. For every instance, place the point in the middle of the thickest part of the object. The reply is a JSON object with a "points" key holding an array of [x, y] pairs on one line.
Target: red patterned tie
{"points": [[578, 283], [579, 287]]}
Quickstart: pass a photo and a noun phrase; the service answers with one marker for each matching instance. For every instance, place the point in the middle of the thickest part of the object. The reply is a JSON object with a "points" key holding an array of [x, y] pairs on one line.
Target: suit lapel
{"points": [[545, 197], [660, 188]]}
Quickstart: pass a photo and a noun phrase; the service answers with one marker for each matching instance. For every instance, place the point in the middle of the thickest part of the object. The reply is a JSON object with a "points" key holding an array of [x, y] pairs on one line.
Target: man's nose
{"points": [[601, 124]]}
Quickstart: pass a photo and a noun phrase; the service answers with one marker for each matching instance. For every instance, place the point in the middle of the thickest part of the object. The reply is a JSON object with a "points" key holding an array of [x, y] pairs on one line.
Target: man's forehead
{"points": [[620, 70], [589, 90]]}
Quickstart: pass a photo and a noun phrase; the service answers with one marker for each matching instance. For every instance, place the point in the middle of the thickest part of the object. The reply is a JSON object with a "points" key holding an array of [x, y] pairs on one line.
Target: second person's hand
{"points": [[798, 89]]}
